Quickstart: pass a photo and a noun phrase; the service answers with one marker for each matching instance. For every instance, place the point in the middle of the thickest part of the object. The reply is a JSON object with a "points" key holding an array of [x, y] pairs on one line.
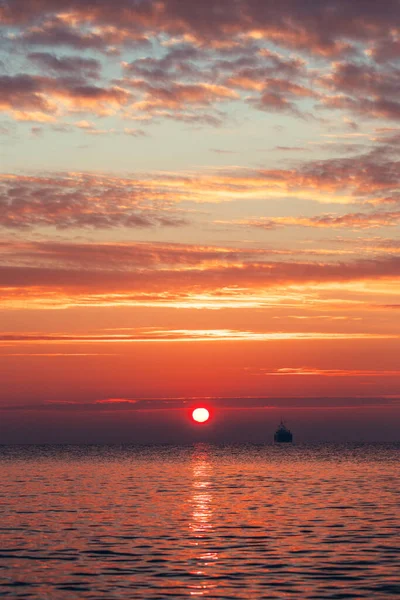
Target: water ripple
{"points": [[246, 522]]}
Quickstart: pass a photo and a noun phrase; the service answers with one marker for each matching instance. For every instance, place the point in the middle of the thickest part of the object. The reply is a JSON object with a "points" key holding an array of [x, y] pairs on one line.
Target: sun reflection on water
{"points": [[202, 523]]}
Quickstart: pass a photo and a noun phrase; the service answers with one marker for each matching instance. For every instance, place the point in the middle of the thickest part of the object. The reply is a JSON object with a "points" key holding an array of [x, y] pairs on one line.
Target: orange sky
{"points": [[199, 202]]}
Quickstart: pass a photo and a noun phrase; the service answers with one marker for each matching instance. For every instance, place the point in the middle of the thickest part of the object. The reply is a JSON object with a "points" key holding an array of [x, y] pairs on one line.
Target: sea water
{"points": [[317, 521]]}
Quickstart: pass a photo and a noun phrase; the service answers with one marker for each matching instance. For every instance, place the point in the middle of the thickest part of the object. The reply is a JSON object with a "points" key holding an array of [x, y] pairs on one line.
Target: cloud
{"points": [[222, 151], [39, 355], [238, 403], [177, 63], [178, 100], [60, 31], [385, 50], [125, 255], [91, 128], [67, 65], [312, 372], [134, 132], [219, 52], [62, 274], [75, 201], [47, 96], [98, 201], [291, 149], [23, 92], [364, 89], [377, 108], [371, 220], [152, 255], [364, 79], [184, 335], [329, 28], [178, 78], [178, 277]]}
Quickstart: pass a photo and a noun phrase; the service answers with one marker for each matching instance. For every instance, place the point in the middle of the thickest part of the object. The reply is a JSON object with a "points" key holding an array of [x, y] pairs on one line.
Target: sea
{"points": [[203, 520]]}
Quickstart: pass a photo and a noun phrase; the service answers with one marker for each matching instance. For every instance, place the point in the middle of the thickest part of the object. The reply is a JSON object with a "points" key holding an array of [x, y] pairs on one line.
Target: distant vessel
{"points": [[282, 434]]}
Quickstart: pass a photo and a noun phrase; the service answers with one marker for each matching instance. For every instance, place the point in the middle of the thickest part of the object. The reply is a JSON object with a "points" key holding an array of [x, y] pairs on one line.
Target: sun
{"points": [[200, 415]]}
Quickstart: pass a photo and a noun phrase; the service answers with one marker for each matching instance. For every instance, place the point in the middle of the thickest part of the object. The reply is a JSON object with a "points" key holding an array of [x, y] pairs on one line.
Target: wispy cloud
{"points": [[313, 372], [224, 403], [73, 200], [366, 220], [186, 335], [184, 275]]}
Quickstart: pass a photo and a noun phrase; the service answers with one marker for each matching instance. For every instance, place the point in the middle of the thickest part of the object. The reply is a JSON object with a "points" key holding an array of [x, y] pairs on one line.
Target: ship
{"points": [[283, 434]]}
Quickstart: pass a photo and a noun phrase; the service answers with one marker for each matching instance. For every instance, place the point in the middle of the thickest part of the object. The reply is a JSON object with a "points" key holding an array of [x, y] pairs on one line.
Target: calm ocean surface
{"points": [[97, 522]]}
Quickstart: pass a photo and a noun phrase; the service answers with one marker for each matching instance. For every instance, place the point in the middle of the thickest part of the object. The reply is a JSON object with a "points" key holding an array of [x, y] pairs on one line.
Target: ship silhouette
{"points": [[283, 434]]}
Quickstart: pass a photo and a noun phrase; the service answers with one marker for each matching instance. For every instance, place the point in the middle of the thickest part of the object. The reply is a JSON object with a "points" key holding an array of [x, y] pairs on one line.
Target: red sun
{"points": [[200, 415]]}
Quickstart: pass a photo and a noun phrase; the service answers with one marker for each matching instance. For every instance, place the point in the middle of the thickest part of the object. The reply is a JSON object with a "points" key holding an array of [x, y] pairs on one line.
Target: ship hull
{"points": [[280, 439]]}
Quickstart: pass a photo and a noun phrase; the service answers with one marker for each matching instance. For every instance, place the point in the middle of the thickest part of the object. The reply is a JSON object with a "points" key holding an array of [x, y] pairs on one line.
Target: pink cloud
{"points": [[76, 201], [217, 52], [176, 282], [47, 95], [327, 28], [370, 220]]}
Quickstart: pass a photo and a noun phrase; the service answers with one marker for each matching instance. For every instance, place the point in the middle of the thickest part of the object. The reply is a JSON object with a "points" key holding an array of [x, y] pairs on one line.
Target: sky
{"points": [[199, 204]]}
